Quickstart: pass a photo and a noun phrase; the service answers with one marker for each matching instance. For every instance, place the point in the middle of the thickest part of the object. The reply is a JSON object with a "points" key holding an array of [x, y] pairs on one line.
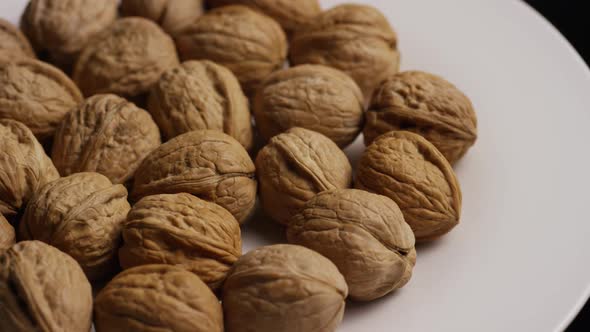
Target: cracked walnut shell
{"points": [[42, 289], [283, 288], [172, 15], [410, 170], [13, 43], [7, 235]]}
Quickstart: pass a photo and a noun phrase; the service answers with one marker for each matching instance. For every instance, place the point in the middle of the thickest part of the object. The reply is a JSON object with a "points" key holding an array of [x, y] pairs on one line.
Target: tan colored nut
{"points": [[314, 97], [24, 166], [7, 235], [426, 105], [250, 44], [284, 288], [208, 164], [201, 95], [13, 43], [42, 289], [107, 135], [172, 15], [294, 167], [36, 94], [410, 170], [125, 59], [82, 215], [356, 39], [157, 298], [181, 229], [61, 29]]}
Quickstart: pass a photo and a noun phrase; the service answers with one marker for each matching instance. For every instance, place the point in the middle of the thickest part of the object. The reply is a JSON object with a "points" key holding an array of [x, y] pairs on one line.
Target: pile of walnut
{"points": [[122, 165]]}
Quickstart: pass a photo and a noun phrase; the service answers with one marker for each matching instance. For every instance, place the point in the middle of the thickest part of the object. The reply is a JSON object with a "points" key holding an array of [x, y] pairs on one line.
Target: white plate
{"points": [[519, 259]]}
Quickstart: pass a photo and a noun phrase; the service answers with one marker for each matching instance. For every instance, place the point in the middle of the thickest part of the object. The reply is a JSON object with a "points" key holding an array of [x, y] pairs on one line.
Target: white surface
{"points": [[519, 259]]}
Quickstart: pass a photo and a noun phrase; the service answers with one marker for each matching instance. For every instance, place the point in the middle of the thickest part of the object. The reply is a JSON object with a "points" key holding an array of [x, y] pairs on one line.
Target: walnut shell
{"points": [[208, 164], [13, 43], [356, 39], [364, 234], [410, 170], [36, 94], [427, 105], [184, 230], [294, 167], [81, 215], [125, 59], [61, 29], [24, 166], [314, 97], [172, 15], [201, 95], [157, 298], [284, 288], [105, 134], [7, 235], [43, 289], [250, 44]]}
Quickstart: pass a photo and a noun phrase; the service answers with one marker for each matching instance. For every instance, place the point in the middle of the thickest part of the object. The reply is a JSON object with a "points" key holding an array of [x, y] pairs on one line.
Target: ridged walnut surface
{"points": [[125, 59], [314, 97], [284, 288], [294, 167], [107, 135], [250, 44], [201, 95], [208, 164], [42, 289], [12, 42], [411, 171], [364, 234], [82, 215], [172, 15], [7, 235], [183, 230], [356, 39], [157, 298], [24, 166], [425, 104]]}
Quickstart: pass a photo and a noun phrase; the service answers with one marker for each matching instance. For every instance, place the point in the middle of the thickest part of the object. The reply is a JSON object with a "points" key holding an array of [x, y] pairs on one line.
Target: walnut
{"points": [[7, 236], [42, 289], [410, 170], [61, 29], [427, 105], [294, 167], [24, 167], [283, 288], [157, 298], [250, 44], [36, 94], [105, 134], [201, 95], [184, 230], [208, 164], [125, 59], [313, 97], [364, 234], [356, 39], [82, 216], [13, 43], [172, 15]]}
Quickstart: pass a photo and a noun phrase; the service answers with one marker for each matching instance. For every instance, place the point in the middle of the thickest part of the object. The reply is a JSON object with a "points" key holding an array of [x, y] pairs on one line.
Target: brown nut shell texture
{"points": [[294, 167], [250, 44], [284, 288], [125, 59], [427, 105], [201, 95], [82, 215], [105, 134], [24, 166], [172, 15], [208, 164], [314, 97], [36, 94], [7, 235], [42, 289], [183, 230], [356, 39], [410, 170], [157, 298], [12, 42], [364, 234]]}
